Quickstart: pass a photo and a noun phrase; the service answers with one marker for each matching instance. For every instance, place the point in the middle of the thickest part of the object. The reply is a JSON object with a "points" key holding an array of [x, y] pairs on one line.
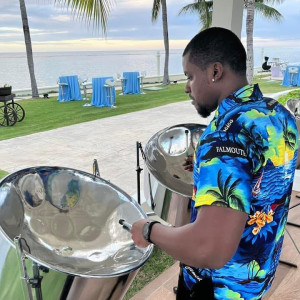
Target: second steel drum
{"points": [[169, 188]]}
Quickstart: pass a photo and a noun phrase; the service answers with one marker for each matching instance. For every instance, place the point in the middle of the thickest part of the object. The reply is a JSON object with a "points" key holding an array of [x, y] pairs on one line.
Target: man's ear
{"points": [[216, 71]]}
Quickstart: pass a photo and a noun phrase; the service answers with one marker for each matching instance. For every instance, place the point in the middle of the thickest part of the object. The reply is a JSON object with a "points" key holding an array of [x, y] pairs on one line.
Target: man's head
{"points": [[215, 64]]}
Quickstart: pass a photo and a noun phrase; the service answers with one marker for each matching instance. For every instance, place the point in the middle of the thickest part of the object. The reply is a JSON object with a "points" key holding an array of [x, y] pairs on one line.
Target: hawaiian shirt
{"points": [[245, 160]]}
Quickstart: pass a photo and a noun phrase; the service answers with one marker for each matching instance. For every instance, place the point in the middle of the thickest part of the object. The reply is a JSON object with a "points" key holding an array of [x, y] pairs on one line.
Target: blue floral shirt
{"points": [[246, 160]]}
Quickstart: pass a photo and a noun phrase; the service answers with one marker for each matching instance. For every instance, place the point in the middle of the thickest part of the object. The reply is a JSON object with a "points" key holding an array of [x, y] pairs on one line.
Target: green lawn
{"points": [[290, 95], [11, 282], [271, 86], [47, 114], [3, 174]]}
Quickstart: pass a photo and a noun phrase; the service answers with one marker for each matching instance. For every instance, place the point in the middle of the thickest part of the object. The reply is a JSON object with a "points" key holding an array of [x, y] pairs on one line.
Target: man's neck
{"points": [[232, 84]]}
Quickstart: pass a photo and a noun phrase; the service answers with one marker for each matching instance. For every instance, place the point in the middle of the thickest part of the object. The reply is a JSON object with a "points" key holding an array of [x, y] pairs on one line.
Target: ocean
{"points": [[88, 64]]}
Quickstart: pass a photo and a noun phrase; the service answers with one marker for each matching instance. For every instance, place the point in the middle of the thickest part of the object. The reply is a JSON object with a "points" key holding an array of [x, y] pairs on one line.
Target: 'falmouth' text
{"points": [[234, 150]]}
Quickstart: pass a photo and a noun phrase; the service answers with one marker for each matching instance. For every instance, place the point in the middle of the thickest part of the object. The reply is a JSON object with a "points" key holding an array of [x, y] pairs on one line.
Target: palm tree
{"points": [[157, 5], [95, 10], [204, 9], [289, 136], [259, 6], [226, 194], [255, 146], [34, 89], [249, 32]]}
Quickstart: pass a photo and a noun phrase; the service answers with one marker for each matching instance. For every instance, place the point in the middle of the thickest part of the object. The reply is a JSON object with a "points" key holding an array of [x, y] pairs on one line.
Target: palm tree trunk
{"points": [[249, 31], [166, 41], [35, 93]]}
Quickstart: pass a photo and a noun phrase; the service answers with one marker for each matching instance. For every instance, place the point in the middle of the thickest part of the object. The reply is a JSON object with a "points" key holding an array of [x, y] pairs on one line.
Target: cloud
{"points": [[61, 18], [122, 30], [10, 35], [10, 17], [13, 32], [12, 46], [91, 44], [11, 29], [273, 42], [134, 4], [130, 23], [49, 33]]}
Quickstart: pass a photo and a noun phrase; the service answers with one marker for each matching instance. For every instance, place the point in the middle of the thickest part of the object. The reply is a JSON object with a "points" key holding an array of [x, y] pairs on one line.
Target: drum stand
{"points": [[139, 169], [139, 149], [29, 283], [96, 171]]}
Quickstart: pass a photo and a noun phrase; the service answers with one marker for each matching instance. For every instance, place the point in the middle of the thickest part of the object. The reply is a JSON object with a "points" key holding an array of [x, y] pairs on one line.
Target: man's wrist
{"points": [[147, 229]]}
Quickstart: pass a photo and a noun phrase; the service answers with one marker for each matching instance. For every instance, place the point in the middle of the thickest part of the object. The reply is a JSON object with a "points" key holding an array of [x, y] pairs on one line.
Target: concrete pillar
{"points": [[228, 14]]}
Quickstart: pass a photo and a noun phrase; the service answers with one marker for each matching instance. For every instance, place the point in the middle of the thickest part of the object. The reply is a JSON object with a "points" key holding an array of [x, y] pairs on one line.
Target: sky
{"points": [[53, 28]]}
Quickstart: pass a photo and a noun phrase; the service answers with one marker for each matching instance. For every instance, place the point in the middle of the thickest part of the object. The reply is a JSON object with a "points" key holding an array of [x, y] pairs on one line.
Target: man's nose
{"points": [[187, 88]]}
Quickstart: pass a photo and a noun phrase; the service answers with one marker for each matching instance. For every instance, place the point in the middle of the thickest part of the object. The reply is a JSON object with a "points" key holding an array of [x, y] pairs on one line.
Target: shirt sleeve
{"points": [[222, 172]]}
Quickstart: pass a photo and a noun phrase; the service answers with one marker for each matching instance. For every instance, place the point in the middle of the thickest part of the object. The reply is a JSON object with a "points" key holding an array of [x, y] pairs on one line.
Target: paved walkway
{"points": [[112, 141]]}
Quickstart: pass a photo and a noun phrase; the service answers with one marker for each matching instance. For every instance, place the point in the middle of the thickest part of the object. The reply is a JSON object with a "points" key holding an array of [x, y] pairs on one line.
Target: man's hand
{"points": [[137, 233], [188, 164]]}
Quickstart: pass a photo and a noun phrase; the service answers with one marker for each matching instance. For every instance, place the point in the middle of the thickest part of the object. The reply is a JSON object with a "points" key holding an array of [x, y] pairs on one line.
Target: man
{"points": [[243, 173]]}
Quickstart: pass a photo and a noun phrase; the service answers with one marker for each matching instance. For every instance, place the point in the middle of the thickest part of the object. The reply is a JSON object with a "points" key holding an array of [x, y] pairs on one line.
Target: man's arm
{"points": [[209, 242]]}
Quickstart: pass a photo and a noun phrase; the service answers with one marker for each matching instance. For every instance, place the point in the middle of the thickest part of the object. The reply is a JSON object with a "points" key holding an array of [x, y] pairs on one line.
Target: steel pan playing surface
{"points": [[165, 153], [70, 221]]}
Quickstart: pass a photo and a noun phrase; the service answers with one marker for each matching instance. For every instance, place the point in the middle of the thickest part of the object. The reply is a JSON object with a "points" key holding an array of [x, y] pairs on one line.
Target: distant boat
{"points": [[256, 188]]}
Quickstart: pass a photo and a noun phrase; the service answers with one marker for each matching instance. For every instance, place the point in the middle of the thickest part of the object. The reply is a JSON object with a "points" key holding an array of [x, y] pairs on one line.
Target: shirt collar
{"points": [[244, 94]]}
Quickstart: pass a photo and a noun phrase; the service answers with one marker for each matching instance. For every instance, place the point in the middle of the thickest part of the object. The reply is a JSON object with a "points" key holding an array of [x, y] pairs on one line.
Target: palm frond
{"points": [[201, 7], [252, 128], [268, 12], [215, 194], [238, 202], [205, 20], [226, 184], [220, 182], [189, 8], [156, 9], [196, 7], [220, 203], [271, 2], [96, 11], [292, 137], [233, 187]]}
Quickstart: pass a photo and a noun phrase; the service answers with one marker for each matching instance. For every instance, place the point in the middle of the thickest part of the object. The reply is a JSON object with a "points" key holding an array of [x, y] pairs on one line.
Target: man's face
{"points": [[200, 88]]}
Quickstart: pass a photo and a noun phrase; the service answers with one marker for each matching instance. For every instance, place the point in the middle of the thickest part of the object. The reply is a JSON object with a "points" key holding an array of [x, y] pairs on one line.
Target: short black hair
{"points": [[217, 44]]}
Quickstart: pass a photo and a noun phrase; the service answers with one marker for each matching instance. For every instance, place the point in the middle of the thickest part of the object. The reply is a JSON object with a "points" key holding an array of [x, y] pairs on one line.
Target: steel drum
{"points": [[293, 105], [169, 188], [68, 221]]}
